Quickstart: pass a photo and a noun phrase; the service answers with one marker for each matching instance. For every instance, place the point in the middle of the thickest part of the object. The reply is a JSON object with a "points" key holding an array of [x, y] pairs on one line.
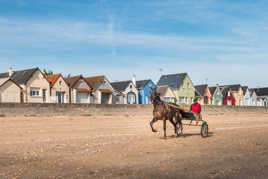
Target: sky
{"points": [[214, 41]]}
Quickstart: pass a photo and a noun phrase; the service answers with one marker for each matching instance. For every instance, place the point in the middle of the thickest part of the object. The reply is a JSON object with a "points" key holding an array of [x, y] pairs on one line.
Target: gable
{"points": [[81, 84], [38, 79], [60, 83], [247, 94], [104, 84], [169, 93], [186, 84], [227, 94], [131, 88], [217, 92], [10, 85]]}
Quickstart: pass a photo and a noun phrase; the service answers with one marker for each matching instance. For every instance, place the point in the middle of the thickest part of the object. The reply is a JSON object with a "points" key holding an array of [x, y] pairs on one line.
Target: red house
{"points": [[228, 97]]}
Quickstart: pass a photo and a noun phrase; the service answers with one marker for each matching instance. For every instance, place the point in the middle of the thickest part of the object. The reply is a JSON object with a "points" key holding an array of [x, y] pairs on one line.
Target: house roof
{"points": [[20, 77], [94, 80], [232, 87], [121, 85], [225, 90], [261, 91], [53, 78], [142, 83], [71, 81], [200, 90], [244, 88], [212, 89], [172, 80], [3, 81]]}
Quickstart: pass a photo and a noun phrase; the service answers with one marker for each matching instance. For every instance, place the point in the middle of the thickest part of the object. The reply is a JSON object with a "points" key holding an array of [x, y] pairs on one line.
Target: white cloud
{"points": [[42, 34]]}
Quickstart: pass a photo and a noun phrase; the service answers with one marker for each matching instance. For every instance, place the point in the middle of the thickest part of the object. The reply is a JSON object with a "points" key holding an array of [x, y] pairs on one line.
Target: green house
{"points": [[181, 85], [217, 96]]}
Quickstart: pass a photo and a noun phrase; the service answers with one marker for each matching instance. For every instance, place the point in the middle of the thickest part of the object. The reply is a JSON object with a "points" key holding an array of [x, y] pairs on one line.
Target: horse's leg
{"points": [[152, 123], [164, 126], [171, 119], [179, 121], [181, 127]]}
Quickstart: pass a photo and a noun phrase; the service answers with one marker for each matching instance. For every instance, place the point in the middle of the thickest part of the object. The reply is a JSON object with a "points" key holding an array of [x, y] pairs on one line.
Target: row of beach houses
{"points": [[32, 86]]}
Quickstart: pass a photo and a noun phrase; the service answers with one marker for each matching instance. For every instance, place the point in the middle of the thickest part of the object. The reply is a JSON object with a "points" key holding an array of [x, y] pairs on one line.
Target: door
{"points": [[60, 96], [82, 98], [131, 98], [105, 97]]}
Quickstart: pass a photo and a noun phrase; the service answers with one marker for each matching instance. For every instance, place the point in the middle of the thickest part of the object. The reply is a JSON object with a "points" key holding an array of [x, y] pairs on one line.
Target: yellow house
{"points": [[181, 85], [35, 87]]}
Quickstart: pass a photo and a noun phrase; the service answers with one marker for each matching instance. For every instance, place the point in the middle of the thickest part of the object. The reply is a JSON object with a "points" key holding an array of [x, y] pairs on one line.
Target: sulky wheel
{"points": [[204, 130]]}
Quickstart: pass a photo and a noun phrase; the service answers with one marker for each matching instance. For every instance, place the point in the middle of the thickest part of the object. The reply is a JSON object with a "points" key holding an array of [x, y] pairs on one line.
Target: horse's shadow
{"points": [[210, 134]]}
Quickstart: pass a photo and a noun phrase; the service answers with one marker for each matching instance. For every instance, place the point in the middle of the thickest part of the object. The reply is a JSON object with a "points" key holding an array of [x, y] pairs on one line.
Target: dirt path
{"points": [[120, 147]]}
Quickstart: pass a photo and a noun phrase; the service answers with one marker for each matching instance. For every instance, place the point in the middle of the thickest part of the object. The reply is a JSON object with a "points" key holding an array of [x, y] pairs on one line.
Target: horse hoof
{"points": [[154, 130]]}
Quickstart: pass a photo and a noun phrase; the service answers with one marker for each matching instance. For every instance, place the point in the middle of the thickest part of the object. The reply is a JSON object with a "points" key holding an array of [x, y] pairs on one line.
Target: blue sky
{"points": [[218, 41]]}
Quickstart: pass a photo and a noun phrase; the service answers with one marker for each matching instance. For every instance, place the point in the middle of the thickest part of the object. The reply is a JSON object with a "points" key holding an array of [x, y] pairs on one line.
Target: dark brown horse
{"points": [[162, 111]]}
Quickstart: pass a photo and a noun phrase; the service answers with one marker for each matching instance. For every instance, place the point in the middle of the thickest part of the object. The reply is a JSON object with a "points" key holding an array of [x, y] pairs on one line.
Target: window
{"points": [[34, 92], [166, 99], [181, 100], [130, 86]]}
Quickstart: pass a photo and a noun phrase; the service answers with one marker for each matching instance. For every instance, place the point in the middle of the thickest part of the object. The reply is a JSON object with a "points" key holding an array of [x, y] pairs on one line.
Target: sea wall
{"points": [[35, 110]]}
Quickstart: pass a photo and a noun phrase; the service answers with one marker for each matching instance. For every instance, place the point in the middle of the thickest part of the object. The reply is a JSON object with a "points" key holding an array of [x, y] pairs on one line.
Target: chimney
{"points": [[134, 80], [10, 73]]}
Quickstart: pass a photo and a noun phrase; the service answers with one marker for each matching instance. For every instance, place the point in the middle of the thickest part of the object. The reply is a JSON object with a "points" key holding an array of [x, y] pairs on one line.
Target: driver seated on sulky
{"points": [[196, 109]]}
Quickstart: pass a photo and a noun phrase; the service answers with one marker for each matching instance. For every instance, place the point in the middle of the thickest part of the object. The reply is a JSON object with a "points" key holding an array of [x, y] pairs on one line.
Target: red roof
{"points": [[94, 81], [53, 78], [71, 81]]}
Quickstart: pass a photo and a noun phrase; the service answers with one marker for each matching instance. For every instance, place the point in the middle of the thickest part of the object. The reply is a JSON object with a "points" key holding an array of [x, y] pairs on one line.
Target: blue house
{"points": [[144, 90]]}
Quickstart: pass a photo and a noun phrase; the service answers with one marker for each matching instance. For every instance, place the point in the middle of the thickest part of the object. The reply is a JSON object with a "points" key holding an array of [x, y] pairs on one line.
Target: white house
{"points": [[129, 90], [102, 91], [59, 89], [253, 97], [262, 94], [247, 96], [80, 90]]}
